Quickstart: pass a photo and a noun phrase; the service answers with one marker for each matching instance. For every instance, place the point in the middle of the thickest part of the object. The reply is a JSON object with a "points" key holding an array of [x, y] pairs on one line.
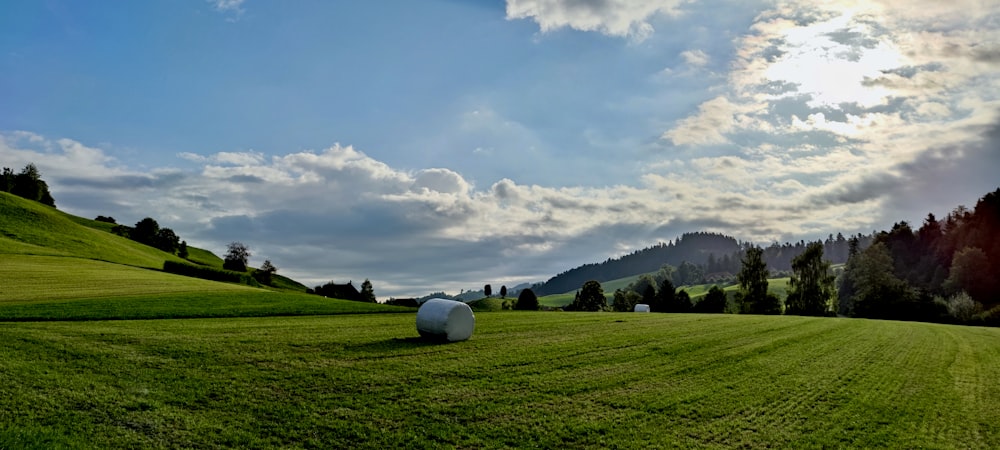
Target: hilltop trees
{"points": [[265, 274], [237, 256], [488, 290], [503, 291], [27, 184], [811, 286], [526, 300], [148, 232]]}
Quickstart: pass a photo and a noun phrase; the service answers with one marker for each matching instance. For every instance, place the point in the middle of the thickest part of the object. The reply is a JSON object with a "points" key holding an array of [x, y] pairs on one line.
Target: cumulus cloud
{"points": [[620, 18], [852, 104]]}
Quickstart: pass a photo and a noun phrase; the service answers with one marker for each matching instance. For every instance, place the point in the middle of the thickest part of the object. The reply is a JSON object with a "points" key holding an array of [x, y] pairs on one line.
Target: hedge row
{"points": [[209, 273]]}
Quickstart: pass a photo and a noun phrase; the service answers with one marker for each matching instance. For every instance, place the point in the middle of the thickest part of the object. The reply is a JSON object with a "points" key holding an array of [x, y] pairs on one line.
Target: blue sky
{"points": [[447, 144]]}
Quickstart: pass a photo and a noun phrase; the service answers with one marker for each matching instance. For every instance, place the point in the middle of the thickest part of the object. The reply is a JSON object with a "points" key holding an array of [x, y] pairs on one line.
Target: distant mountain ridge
{"points": [[716, 253]]}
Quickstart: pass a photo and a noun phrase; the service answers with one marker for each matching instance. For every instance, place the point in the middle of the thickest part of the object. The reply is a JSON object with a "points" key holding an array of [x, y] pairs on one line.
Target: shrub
{"points": [[527, 301]]}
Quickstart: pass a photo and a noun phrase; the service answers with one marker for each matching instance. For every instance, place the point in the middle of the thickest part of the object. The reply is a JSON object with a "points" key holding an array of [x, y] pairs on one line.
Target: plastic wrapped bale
{"points": [[438, 318], [641, 307]]}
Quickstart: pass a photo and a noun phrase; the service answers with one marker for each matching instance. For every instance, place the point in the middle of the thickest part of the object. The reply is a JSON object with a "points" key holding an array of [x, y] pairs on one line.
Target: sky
{"points": [[445, 144]]}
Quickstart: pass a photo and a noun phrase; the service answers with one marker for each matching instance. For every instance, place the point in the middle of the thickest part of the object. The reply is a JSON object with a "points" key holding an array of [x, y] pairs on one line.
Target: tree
{"points": [[145, 231], [666, 298], [753, 283], [488, 290], [689, 274], [713, 302], [503, 291], [527, 301], [591, 297], [970, 272], [105, 219], [237, 257], [367, 292], [625, 300], [182, 250], [878, 293], [266, 272], [166, 240], [811, 289], [682, 301]]}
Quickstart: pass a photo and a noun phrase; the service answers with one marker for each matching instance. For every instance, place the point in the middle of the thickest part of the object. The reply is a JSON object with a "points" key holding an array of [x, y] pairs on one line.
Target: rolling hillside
{"points": [[30, 228], [56, 266]]}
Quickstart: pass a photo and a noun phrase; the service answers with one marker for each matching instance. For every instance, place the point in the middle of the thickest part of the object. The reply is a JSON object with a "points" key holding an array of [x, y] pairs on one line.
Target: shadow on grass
{"points": [[395, 345]]}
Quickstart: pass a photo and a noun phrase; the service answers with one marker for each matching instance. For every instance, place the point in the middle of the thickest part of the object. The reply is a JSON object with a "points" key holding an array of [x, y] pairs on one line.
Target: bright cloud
{"points": [[622, 18]]}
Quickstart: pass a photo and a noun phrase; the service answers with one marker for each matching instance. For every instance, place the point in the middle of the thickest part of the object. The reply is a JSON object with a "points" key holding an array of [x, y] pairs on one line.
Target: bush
{"points": [[713, 302], [527, 301]]}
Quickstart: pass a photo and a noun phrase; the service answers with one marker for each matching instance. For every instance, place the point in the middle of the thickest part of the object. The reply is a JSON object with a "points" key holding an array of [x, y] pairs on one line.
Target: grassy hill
{"points": [[56, 266], [548, 380], [30, 228]]}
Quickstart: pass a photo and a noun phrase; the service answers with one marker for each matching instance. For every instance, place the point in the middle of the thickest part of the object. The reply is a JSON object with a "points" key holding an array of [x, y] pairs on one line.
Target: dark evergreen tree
{"points": [[503, 291], [368, 292], [666, 298], [753, 283], [488, 290]]}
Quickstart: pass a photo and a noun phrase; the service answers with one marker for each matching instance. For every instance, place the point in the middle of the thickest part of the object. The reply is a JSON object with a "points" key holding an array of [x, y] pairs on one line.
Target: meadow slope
{"points": [[555, 380]]}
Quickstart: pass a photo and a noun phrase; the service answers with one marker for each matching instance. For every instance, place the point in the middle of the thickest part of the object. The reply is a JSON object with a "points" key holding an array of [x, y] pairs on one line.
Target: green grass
{"points": [[550, 380], [60, 288], [488, 304], [31, 228]]}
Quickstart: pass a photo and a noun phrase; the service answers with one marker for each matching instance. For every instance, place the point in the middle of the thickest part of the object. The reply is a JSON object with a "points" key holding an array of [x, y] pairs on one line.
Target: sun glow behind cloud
{"points": [[830, 60]]}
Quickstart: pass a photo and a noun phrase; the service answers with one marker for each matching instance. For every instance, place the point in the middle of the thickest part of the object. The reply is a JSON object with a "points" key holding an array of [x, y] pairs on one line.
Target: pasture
{"points": [[557, 380]]}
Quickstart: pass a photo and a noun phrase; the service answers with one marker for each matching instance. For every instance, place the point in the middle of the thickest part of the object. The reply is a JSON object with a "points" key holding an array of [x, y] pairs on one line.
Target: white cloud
{"points": [[620, 18], [226, 5], [695, 58], [715, 118]]}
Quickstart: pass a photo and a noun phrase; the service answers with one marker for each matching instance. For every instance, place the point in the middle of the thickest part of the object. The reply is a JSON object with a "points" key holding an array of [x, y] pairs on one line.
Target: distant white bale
{"points": [[448, 319], [641, 307]]}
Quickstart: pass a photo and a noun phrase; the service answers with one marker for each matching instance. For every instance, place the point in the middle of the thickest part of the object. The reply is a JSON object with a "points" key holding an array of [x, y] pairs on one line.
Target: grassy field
{"points": [[61, 288], [554, 380]]}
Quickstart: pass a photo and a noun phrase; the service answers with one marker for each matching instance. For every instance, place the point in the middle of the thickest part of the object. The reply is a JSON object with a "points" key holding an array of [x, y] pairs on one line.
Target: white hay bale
{"points": [[641, 307], [448, 319]]}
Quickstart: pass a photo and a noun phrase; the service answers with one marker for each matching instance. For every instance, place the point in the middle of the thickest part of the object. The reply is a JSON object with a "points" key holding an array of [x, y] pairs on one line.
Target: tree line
{"points": [[946, 271], [699, 258]]}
